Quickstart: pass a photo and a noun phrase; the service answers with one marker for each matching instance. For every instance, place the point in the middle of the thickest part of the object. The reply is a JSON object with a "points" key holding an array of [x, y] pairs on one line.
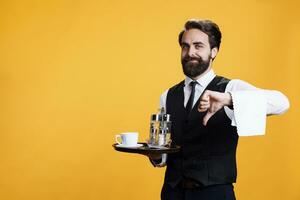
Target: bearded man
{"points": [[209, 113]]}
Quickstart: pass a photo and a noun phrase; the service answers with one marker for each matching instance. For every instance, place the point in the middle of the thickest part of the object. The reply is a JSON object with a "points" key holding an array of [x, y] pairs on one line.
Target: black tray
{"points": [[145, 149]]}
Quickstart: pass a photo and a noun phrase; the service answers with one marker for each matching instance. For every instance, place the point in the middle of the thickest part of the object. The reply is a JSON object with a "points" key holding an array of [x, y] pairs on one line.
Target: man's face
{"points": [[195, 53]]}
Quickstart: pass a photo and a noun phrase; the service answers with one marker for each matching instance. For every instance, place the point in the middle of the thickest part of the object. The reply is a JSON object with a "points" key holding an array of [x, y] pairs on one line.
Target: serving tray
{"points": [[143, 148]]}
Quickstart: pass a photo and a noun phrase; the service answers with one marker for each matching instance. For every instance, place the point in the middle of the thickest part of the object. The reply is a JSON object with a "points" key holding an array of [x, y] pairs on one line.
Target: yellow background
{"points": [[75, 73]]}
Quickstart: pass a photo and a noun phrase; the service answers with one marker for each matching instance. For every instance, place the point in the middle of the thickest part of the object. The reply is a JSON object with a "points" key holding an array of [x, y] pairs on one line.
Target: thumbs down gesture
{"points": [[212, 101]]}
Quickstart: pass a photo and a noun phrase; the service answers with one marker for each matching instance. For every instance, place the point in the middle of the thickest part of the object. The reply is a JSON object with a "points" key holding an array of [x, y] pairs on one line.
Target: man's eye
{"points": [[198, 46], [184, 46]]}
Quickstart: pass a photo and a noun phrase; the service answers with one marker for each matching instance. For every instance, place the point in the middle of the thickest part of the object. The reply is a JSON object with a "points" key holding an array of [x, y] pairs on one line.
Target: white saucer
{"points": [[126, 146]]}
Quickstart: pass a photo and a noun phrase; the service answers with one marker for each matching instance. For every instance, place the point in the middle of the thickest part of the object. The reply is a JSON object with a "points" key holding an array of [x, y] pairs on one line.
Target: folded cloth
{"points": [[250, 112]]}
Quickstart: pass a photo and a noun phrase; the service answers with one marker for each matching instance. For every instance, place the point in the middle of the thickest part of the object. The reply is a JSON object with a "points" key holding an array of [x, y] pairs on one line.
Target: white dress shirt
{"points": [[251, 105]]}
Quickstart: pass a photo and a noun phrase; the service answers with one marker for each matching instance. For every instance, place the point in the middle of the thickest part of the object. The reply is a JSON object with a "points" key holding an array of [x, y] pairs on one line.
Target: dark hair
{"points": [[206, 26]]}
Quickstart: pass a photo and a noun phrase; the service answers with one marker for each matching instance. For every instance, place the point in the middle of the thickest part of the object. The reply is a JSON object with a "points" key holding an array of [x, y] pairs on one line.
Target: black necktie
{"points": [[189, 104]]}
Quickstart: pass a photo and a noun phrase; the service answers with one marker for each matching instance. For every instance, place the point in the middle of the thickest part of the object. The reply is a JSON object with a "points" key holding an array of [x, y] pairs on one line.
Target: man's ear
{"points": [[214, 52]]}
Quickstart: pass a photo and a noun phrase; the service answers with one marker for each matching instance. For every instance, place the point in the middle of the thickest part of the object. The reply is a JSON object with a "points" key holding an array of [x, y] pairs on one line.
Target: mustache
{"points": [[188, 58]]}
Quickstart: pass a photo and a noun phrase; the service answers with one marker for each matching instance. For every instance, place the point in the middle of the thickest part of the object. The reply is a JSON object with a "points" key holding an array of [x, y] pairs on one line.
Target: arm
{"points": [[276, 102], [251, 105]]}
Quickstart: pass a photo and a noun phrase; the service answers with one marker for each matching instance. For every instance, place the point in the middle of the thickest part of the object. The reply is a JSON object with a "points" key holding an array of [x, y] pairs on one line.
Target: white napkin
{"points": [[250, 112]]}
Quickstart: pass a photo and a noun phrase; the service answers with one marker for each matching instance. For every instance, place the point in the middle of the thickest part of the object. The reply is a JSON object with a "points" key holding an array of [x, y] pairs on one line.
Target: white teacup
{"points": [[128, 139]]}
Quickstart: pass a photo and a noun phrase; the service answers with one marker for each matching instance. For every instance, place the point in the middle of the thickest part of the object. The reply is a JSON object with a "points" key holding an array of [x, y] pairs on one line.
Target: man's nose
{"points": [[192, 52]]}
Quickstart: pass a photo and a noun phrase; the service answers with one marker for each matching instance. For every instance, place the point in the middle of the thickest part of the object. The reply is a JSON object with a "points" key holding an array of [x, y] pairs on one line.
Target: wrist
{"points": [[227, 99]]}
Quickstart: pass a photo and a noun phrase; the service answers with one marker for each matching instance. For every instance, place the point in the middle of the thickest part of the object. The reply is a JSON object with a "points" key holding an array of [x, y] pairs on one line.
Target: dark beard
{"points": [[194, 69]]}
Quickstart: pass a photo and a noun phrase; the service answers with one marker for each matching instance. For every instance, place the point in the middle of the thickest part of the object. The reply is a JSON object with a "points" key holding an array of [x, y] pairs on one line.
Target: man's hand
{"points": [[153, 156], [211, 102]]}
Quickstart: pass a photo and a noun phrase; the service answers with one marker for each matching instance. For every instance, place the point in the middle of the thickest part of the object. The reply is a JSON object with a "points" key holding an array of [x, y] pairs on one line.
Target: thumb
{"points": [[207, 117], [206, 95]]}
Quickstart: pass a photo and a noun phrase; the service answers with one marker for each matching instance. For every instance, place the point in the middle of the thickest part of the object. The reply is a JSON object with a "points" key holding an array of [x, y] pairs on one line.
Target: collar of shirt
{"points": [[204, 80]]}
